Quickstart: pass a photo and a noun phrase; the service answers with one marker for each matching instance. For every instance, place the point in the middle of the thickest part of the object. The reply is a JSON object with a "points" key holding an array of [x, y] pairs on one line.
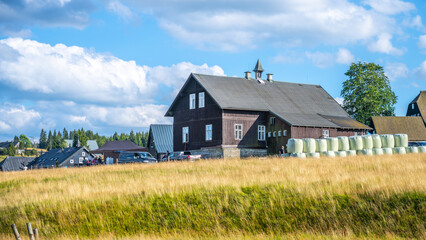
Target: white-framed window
{"points": [[271, 120], [192, 101], [201, 99], [412, 106], [238, 131], [209, 132], [71, 161], [284, 133], [269, 134], [261, 132], [279, 133], [326, 133], [83, 154], [185, 134], [274, 134]]}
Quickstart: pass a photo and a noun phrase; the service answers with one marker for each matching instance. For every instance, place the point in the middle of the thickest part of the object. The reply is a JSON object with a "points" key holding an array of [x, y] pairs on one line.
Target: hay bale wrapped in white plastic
{"points": [[367, 142], [366, 152], [313, 155], [340, 154], [309, 145], [321, 145], [377, 151], [387, 151], [343, 143], [412, 149], [328, 154], [355, 143], [422, 149], [295, 145], [377, 141], [332, 144], [399, 150], [298, 155], [387, 141], [401, 140], [351, 153]]}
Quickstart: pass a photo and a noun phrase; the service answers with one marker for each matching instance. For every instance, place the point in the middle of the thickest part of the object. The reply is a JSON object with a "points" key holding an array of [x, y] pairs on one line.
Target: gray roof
{"points": [[294, 103], [7, 144], [163, 137], [15, 163], [59, 154]]}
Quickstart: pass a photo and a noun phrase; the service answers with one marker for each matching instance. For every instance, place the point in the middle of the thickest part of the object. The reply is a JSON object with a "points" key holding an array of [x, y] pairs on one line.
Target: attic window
{"points": [[412, 106], [83, 154], [201, 99], [272, 121]]}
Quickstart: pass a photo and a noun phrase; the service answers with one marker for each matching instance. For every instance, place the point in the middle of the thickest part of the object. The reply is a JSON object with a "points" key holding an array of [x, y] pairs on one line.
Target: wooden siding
{"points": [[250, 121], [196, 120], [275, 143], [413, 112]]}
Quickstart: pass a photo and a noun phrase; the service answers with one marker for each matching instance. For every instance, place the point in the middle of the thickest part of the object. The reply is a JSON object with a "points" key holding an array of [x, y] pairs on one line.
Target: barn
{"points": [[235, 116]]}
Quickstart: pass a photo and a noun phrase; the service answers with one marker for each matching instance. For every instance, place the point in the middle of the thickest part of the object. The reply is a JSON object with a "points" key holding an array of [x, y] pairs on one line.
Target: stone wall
{"points": [[230, 152]]}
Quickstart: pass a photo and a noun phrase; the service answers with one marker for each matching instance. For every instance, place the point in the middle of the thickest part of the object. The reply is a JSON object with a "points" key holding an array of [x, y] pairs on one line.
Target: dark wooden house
{"points": [[412, 126], [417, 107], [233, 116]]}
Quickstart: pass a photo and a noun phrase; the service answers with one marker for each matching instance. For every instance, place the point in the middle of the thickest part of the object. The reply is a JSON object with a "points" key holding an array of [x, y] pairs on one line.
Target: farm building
{"points": [[234, 116], [413, 126], [91, 144], [112, 149], [62, 157], [417, 107], [160, 140], [15, 163]]}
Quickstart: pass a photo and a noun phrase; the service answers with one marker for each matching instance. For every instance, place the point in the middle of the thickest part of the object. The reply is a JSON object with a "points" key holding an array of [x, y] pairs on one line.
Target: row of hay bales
{"points": [[351, 146]]}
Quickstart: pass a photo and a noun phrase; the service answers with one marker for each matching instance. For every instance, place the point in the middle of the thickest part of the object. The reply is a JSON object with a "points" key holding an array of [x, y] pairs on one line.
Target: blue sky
{"points": [[116, 65]]}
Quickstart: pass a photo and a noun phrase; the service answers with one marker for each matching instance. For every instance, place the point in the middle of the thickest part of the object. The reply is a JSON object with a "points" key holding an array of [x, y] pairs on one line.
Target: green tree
{"points": [[75, 142], [11, 151], [49, 141], [367, 92], [43, 139], [24, 141], [65, 134]]}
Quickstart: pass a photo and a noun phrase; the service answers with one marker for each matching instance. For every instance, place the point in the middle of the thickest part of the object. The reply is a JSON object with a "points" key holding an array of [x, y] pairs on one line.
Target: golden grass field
{"points": [[67, 189]]}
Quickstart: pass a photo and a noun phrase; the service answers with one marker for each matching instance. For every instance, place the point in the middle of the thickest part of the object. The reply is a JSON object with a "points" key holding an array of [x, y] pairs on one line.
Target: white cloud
{"points": [[16, 117], [120, 9], [77, 119], [344, 56], [421, 71], [422, 41], [390, 6], [76, 74], [396, 70], [235, 25], [384, 45], [413, 22], [339, 100]]}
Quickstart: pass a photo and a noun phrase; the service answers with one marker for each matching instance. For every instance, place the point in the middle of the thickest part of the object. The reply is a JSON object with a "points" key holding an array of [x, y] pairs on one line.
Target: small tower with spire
{"points": [[258, 69]]}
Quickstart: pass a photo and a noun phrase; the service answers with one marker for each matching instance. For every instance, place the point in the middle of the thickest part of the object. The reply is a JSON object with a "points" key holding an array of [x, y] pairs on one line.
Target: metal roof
{"points": [[7, 144], [414, 127], [162, 136], [50, 158], [91, 144], [15, 163], [297, 104], [126, 145]]}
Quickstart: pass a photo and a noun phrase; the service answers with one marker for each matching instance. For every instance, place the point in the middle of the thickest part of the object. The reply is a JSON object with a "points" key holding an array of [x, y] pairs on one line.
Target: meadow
{"points": [[255, 198]]}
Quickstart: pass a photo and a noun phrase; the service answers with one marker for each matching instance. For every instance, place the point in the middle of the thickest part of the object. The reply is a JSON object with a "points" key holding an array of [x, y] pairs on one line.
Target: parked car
{"points": [[416, 144], [179, 156], [136, 157]]}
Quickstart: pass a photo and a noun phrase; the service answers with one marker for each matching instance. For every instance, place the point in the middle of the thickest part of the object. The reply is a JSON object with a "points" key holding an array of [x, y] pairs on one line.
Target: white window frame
{"points": [[272, 121], [238, 131], [284, 133], [185, 134], [269, 134], [412, 106], [209, 132], [201, 99], [261, 129], [274, 134], [326, 133], [279, 133], [192, 101], [83, 154]]}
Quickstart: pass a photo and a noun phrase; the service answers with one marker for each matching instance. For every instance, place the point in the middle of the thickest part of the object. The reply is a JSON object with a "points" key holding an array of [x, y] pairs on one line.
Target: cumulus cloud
{"points": [[384, 45], [421, 71], [77, 74], [390, 6], [17, 16], [15, 117], [239, 25], [396, 70], [422, 41], [325, 59]]}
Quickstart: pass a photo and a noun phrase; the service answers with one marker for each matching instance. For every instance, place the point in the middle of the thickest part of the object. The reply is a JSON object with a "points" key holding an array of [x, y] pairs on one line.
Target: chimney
{"points": [[248, 75], [269, 77]]}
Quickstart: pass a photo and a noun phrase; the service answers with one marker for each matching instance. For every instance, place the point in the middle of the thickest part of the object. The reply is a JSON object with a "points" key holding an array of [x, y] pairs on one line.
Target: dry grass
{"points": [[361, 174]]}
